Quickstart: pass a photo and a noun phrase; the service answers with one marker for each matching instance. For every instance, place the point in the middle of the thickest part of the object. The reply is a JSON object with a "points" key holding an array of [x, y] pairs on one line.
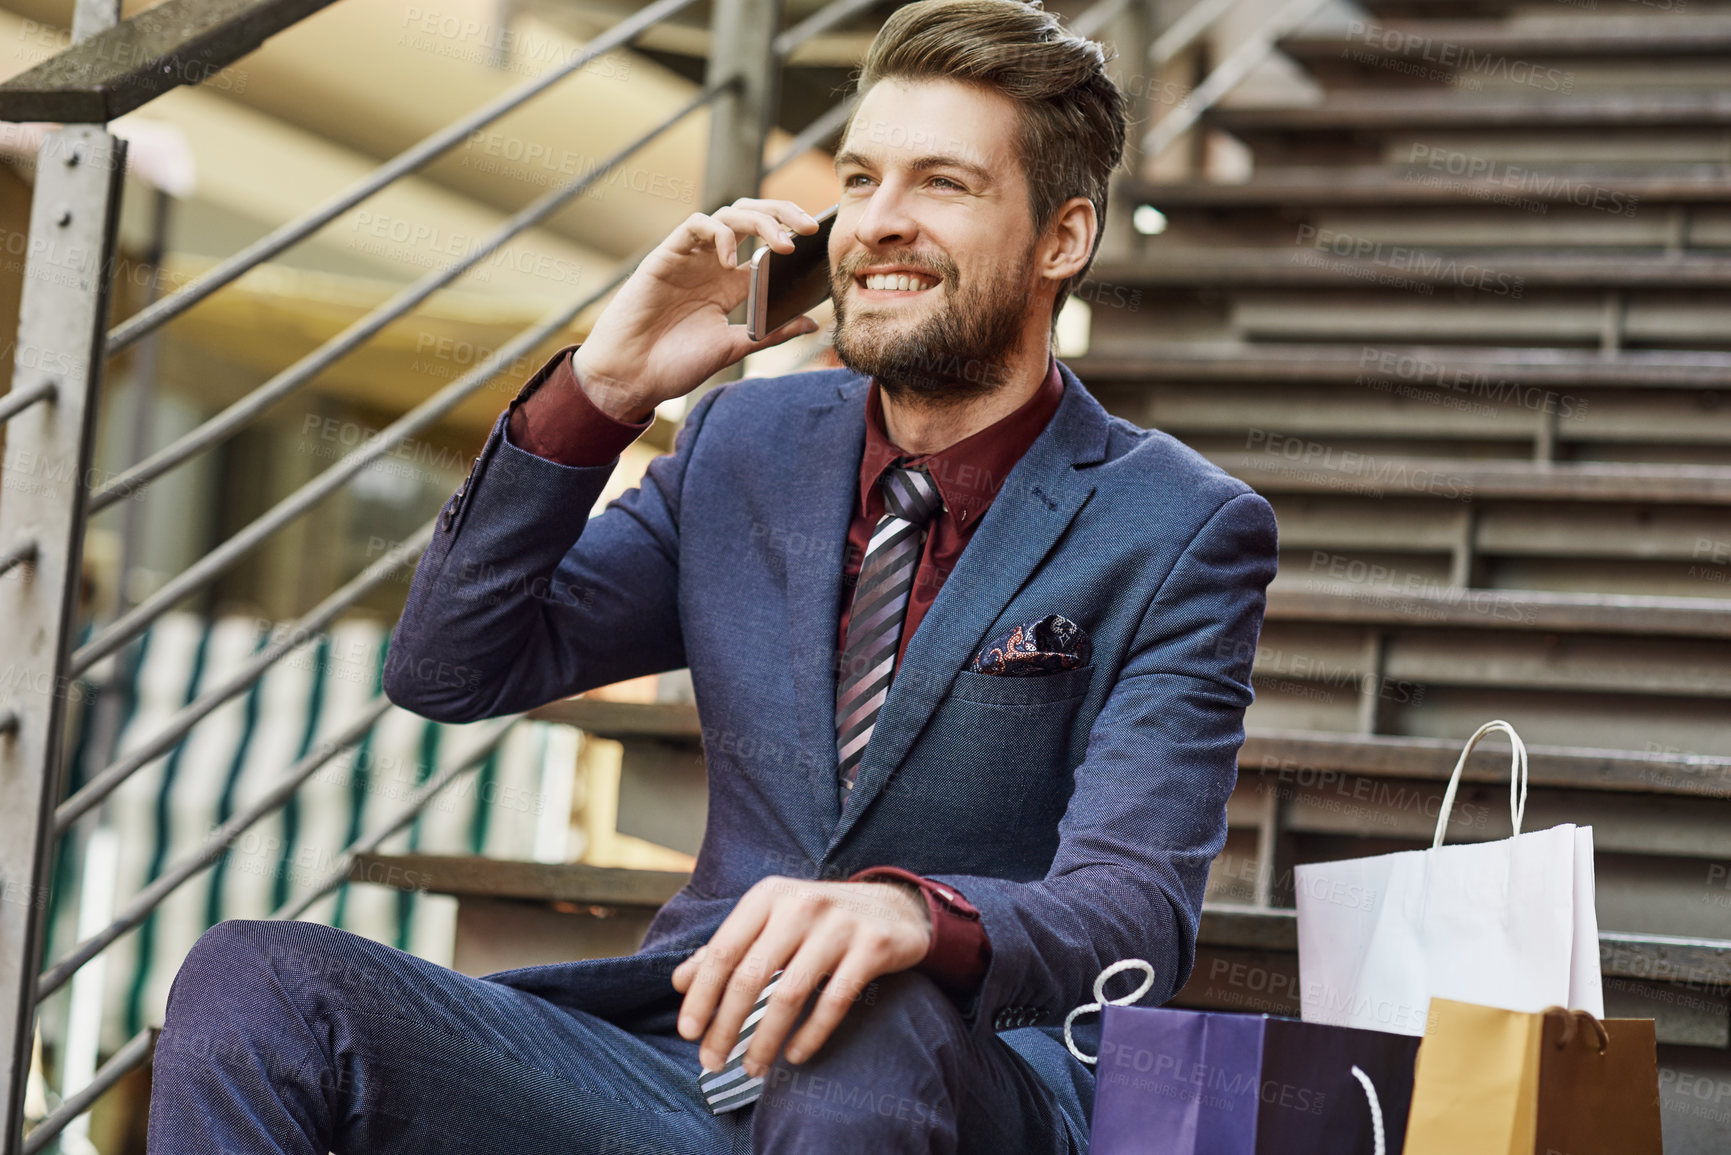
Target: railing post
{"points": [[61, 330], [1130, 33], [741, 49]]}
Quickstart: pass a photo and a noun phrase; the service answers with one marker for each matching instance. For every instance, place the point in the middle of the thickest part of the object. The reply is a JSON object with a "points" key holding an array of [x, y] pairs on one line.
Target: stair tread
{"points": [[1558, 36], [1378, 185], [1306, 266], [1320, 362], [1506, 480], [1576, 767], [1529, 610], [1655, 957], [474, 876], [1402, 111]]}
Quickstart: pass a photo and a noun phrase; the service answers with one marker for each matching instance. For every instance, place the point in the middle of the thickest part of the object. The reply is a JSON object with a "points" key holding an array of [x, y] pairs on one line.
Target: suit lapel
{"points": [[1040, 497], [825, 490]]}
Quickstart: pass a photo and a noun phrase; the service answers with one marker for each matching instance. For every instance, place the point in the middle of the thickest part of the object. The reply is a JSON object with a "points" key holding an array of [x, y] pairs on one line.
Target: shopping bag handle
{"points": [[1572, 1019], [1376, 1134], [1102, 1002], [1517, 778]]}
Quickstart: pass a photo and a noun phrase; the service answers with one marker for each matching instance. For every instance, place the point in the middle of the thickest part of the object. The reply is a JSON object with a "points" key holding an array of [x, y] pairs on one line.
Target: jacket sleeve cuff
{"points": [[554, 419], [960, 951]]}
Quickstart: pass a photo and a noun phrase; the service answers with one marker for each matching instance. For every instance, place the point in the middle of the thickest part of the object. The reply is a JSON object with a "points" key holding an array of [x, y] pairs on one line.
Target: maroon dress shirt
{"points": [[558, 421]]}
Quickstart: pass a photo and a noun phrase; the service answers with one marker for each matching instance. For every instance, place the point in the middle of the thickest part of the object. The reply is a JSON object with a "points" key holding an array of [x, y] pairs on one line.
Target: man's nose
{"points": [[887, 218]]}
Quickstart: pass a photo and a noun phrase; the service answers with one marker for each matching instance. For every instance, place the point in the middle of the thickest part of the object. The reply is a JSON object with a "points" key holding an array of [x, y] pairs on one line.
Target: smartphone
{"points": [[784, 285]]}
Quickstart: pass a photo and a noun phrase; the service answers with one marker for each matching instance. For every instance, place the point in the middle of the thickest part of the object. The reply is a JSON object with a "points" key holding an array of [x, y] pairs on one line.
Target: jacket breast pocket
{"points": [[991, 772]]}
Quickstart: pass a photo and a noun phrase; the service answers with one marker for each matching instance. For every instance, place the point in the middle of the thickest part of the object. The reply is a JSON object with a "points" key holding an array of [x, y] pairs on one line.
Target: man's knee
{"points": [[238, 966], [888, 1063]]}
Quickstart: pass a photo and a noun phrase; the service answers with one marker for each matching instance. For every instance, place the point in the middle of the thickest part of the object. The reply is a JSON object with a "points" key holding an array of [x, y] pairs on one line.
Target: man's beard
{"points": [[961, 352]]}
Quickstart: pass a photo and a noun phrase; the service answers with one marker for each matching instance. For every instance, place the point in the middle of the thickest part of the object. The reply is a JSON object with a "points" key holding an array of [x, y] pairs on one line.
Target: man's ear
{"points": [[1069, 240]]}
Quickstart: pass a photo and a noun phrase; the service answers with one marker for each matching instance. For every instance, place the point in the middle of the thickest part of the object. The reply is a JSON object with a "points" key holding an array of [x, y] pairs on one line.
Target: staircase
{"points": [[1467, 325]]}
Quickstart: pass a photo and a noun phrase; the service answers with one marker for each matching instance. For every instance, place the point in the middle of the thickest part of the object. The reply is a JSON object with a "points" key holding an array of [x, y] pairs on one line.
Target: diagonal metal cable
{"points": [[230, 420], [422, 795], [135, 1053], [401, 165], [297, 635], [218, 560], [214, 847]]}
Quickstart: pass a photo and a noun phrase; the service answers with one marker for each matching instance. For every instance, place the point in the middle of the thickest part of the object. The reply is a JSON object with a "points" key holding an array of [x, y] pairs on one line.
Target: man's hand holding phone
{"points": [[666, 331]]}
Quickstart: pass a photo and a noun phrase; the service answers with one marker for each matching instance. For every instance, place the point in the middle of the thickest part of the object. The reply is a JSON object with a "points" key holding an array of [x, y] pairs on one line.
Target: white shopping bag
{"points": [[1506, 924]]}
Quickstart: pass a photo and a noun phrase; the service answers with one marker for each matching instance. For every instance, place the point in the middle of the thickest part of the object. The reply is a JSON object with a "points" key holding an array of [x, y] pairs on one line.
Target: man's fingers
{"points": [[845, 988], [816, 959], [682, 974], [798, 327], [720, 955], [765, 225], [779, 940]]}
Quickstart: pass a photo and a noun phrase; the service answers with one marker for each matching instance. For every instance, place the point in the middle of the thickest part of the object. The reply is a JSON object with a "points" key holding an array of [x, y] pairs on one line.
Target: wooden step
{"points": [[1534, 611], [1433, 759], [1221, 926], [1373, 756], [1418, 185], [510, 917], [1649, 956], [1588, 10], [1485, 481], [1246, 961], [1446, 43], [1333, 261], [1420, 364], [1422, 111], [467, 876]]}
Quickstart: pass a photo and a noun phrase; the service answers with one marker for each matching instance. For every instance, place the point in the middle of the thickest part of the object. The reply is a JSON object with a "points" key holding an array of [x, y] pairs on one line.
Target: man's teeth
{"points": [[899, 281]]}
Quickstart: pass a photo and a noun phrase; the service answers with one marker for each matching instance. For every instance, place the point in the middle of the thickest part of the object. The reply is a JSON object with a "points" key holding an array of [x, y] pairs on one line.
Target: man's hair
{"points": [[1071, 117]]}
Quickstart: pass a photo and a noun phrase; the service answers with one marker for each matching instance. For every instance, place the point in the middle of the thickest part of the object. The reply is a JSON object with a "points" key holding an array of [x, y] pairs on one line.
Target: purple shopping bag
{"points": [[1172, 1082]]}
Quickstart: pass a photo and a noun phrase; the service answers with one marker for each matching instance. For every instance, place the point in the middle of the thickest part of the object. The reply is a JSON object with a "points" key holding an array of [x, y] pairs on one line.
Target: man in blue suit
{"points": [[971, 657]]}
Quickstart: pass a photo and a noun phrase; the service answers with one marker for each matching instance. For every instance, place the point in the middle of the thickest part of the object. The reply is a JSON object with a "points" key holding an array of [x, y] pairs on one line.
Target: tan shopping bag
{"points": [[1496, 1082]]}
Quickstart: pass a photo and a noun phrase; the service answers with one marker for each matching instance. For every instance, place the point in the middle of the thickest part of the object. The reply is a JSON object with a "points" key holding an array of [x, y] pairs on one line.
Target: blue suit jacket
{"points": [[1078, 811]]}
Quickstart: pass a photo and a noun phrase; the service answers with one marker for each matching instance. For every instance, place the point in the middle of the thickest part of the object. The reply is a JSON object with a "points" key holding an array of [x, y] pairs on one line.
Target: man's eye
{"points": [[847, 182], [944, 180]]}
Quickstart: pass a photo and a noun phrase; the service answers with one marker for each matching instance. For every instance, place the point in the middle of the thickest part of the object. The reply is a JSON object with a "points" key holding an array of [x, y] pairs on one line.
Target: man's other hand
{"points": [[849, 932]]}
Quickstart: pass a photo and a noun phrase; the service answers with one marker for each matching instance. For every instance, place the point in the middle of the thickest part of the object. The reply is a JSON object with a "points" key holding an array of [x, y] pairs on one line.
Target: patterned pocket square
{"points": [[1049, 646]]}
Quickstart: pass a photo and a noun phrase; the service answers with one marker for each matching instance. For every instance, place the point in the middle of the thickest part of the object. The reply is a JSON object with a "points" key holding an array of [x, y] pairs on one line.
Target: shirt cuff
{"points": [[960, 951], [554, 419]]}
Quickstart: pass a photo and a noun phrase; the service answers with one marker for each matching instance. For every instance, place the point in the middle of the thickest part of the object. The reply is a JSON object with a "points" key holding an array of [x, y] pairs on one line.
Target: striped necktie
{"points": [[730, 1088], [880, 603]]}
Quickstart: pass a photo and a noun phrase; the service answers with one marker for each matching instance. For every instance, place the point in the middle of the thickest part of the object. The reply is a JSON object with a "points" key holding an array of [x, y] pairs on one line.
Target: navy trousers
{"points": [[296, 1038]]}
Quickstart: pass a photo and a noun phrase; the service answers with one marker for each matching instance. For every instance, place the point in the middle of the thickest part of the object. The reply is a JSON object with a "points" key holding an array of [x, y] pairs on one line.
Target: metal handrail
{"points": [[401, 165], [18, 400], [210, 850], [218, 560], [18, 555], [423, 794], [811, 134], [1186, 30], [818, 23], [1090, 22], [135, 1053], [1229, 75], [230, 420], [302, 631]]}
